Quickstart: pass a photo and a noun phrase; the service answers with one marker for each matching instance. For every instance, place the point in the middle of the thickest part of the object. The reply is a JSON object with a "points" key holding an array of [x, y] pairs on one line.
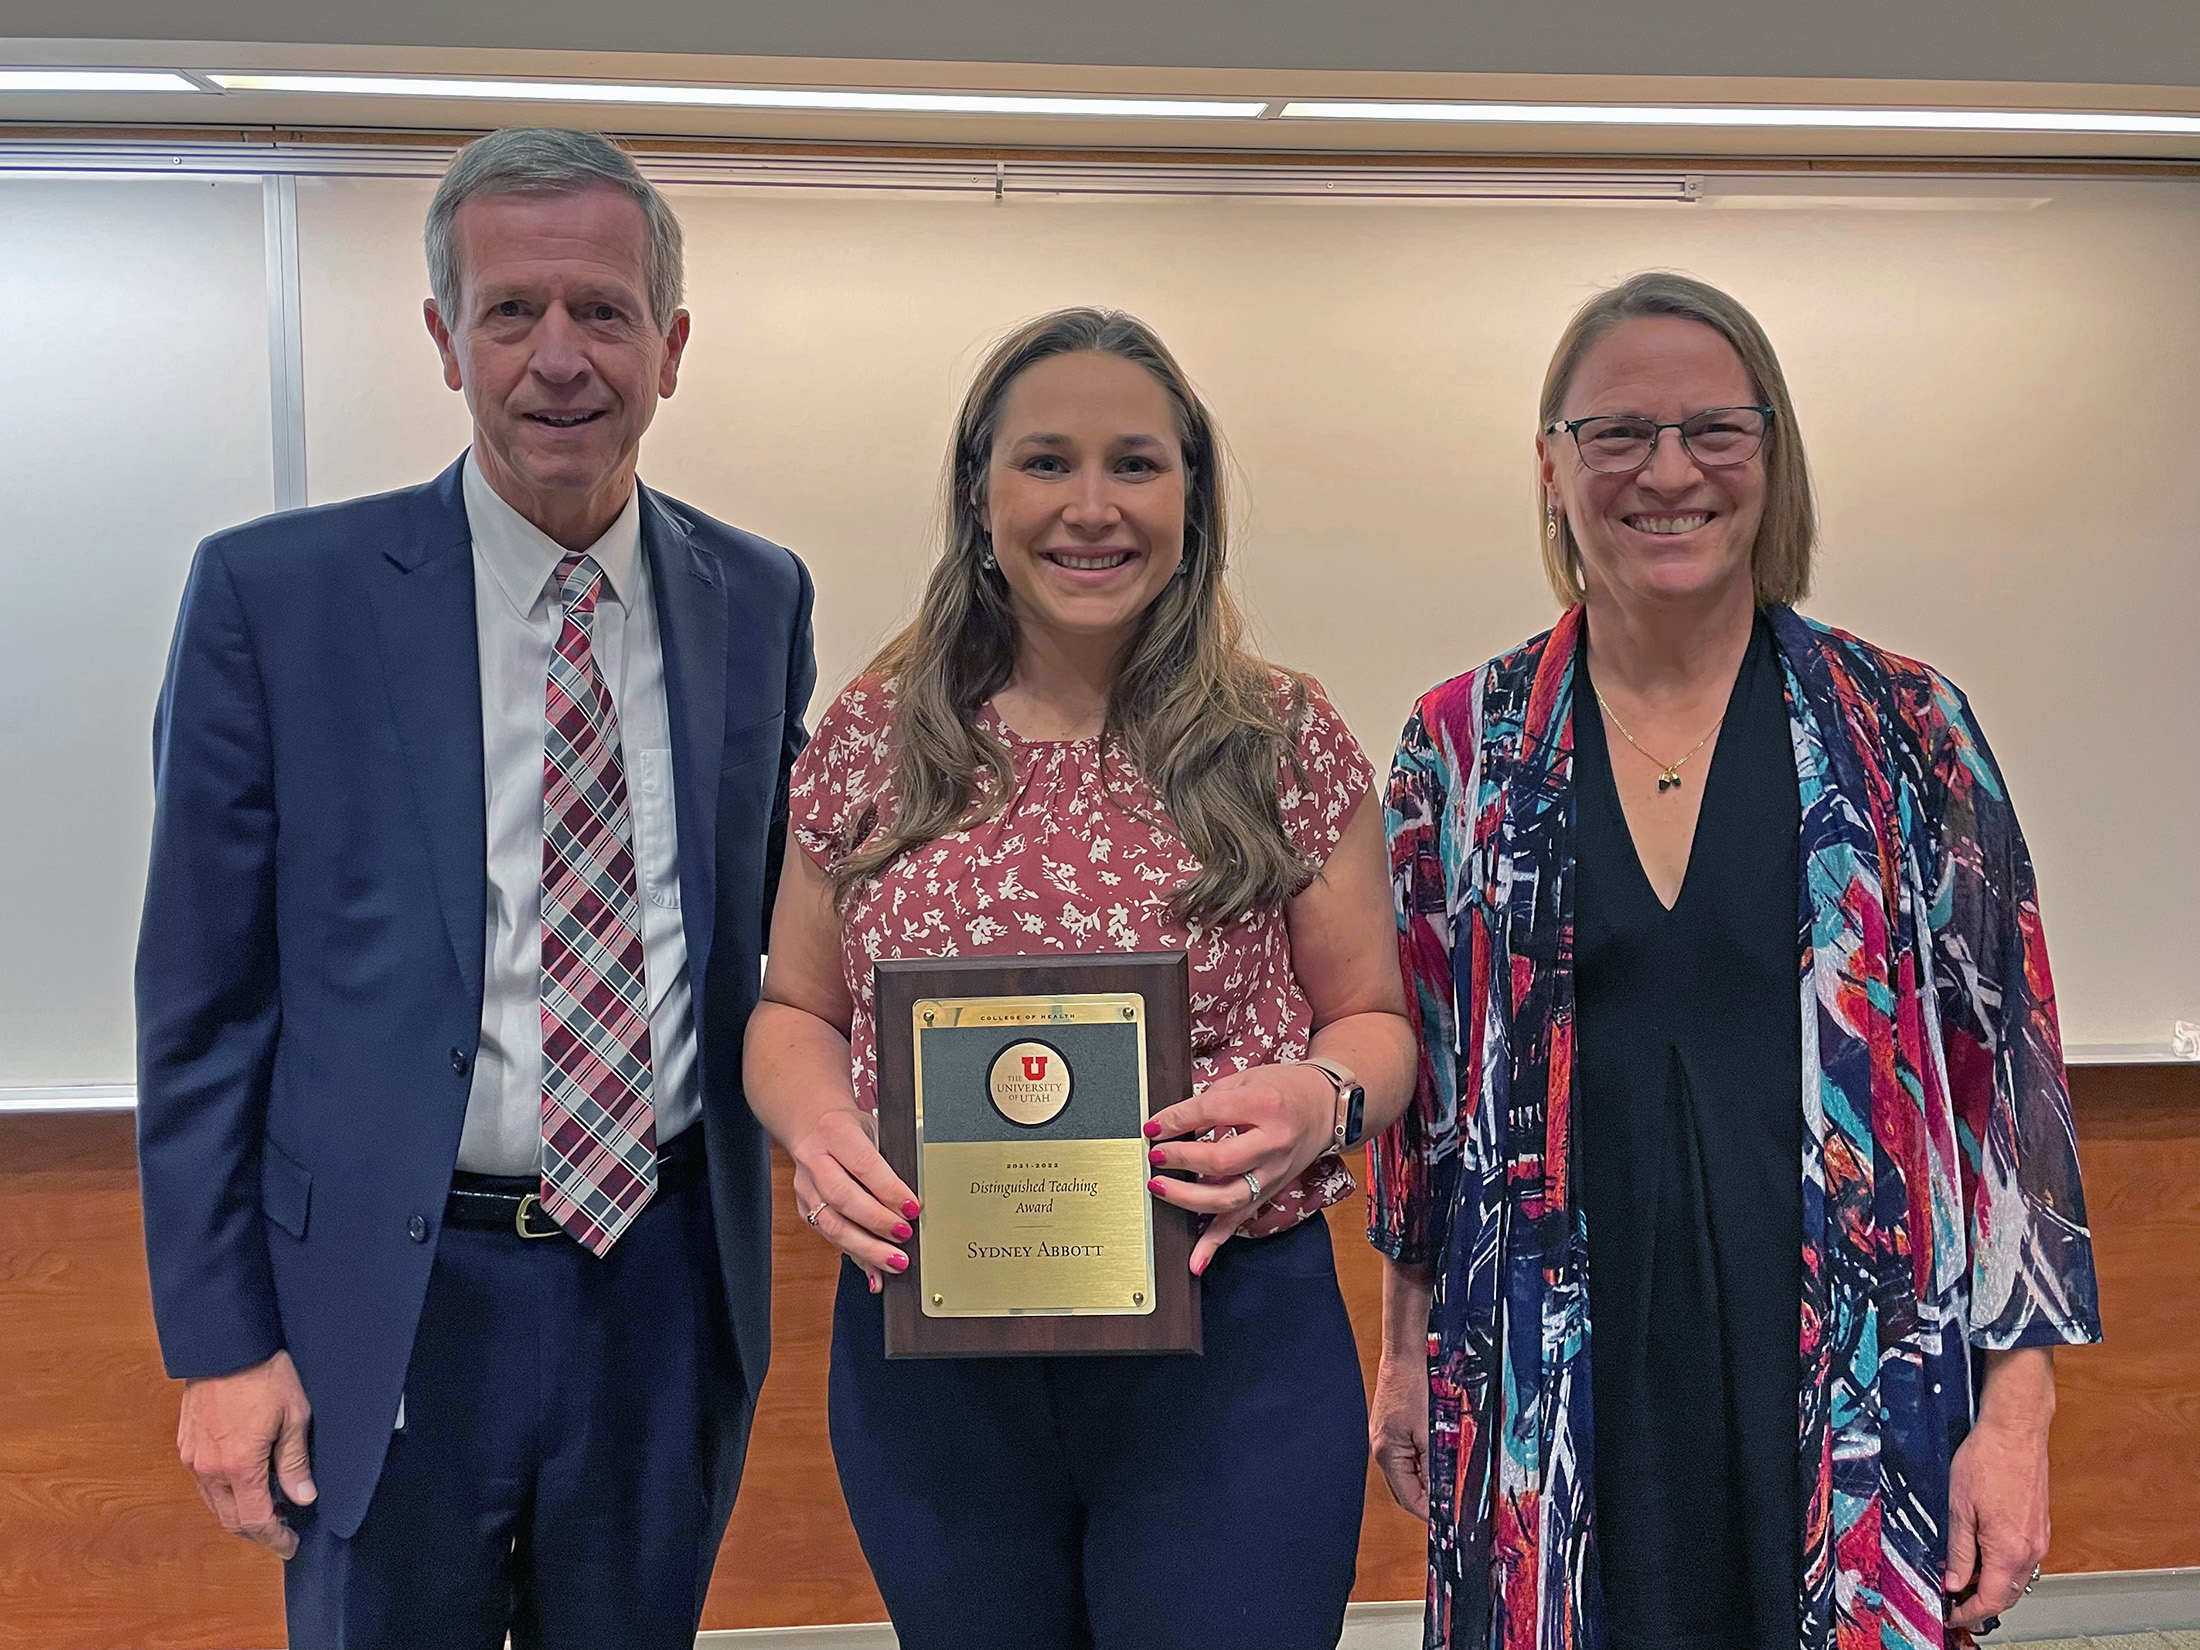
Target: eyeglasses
{"points": [[1717, 438]]}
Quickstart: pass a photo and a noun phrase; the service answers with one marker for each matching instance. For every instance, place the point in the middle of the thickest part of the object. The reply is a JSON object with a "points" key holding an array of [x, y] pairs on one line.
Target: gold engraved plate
{"points": [[1031, 1156]]}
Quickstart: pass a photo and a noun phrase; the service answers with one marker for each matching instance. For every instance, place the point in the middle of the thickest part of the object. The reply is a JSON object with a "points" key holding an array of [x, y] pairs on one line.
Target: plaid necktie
{"points": [[599, 1134]]}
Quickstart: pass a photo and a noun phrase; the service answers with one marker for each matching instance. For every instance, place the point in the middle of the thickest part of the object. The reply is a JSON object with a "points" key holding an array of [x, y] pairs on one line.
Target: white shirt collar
{"points": [[523, 559]]}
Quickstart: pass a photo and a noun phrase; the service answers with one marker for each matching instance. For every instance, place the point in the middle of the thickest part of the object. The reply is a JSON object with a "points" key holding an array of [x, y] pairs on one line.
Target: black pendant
{"points": [[1668, 782]]}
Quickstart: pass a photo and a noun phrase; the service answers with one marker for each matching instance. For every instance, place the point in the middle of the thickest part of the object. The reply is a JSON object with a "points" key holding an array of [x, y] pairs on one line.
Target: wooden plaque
{"points": [[1013, 1094]]}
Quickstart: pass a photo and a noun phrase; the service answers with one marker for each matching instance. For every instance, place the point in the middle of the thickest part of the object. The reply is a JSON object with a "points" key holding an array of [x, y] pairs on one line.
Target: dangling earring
{"points": [[1550, 522], [985, 556]]}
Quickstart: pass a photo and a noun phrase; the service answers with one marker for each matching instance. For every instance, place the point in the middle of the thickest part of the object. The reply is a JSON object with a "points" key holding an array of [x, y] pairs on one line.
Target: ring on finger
{"points": [[810, 1217], [1252, 1184]]}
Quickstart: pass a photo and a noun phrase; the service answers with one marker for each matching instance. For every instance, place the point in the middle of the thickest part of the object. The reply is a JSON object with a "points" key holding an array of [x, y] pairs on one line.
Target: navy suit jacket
{"points": [[309, 970]]}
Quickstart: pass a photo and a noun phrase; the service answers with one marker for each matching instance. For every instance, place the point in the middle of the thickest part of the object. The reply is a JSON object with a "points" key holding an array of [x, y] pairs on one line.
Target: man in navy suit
{"points": [[470, 802]]}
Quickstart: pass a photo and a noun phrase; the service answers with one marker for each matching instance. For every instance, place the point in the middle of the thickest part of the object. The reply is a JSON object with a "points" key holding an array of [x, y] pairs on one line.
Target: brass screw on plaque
{"points": [[1138, 1297], [928, 1016], [1129, 1013], [939, 1300]]}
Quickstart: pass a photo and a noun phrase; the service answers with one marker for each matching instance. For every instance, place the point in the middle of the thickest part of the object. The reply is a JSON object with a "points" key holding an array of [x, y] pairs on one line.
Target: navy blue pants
{"points": [[573, 1433], [1121, 1503]]}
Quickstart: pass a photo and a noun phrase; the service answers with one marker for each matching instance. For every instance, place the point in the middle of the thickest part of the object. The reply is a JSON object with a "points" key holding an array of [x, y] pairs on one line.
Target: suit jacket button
{"points": [[417, 1229], [458, 1061]]}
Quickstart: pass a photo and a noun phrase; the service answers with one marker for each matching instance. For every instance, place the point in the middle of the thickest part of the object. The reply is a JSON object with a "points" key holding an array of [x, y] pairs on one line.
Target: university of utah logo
{"points": [[1029, 1083]]}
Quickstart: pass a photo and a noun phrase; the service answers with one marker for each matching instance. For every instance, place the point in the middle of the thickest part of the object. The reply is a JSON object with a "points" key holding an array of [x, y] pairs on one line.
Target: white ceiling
{"points": [[2104, 55], [2098, 42]]}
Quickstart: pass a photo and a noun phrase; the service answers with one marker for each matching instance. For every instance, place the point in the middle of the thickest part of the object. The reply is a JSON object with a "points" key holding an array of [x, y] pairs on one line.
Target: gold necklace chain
{"points": [[1669, 773]]}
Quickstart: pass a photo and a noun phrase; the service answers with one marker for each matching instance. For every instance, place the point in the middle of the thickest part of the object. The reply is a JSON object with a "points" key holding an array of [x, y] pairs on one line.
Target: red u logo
{"points": [[1035, 1068]]}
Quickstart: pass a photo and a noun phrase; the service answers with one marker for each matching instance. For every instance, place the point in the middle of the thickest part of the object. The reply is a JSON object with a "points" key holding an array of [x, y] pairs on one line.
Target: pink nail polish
{"points": [[1154, 1185], [1199, 1267], [911, 1209], [1157, 1157], [899, 1263], [902, 1231], [874, 1286], [1153, 1129]]}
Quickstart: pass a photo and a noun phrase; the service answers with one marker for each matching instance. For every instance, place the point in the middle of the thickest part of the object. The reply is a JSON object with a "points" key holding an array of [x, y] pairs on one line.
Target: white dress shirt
{"points": [[517, 617]]}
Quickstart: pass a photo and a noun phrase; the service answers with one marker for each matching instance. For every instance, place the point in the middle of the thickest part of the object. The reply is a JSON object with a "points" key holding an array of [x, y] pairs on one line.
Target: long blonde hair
{"points": [[1199, 714], [1780, 561]]}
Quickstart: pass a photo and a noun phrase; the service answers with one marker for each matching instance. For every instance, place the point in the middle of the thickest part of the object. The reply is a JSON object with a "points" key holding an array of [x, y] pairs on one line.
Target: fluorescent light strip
{"points": [[96, 80], [1874, 120], [745, 97]]}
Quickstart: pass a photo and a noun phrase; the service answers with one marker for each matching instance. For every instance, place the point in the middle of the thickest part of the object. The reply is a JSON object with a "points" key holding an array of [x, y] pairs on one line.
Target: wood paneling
{"points": [[103, 1542], [2127, 1430], [790, 1558]]}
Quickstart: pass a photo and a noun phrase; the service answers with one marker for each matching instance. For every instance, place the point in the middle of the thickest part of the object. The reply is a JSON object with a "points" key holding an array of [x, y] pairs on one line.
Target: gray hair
{"points": [[549, 160]]}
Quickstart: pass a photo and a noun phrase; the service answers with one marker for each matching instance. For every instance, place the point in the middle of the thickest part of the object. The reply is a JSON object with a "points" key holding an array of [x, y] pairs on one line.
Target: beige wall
{"points": [[1998, 393], [133, 325], [1998, 386]]}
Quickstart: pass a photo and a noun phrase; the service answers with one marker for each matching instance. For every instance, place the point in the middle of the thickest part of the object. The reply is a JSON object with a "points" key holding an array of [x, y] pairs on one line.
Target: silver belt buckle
{"points": [[530, 1203]]}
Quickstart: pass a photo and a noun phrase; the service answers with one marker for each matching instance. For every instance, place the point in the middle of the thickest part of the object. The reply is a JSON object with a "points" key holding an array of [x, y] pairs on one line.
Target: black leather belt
{"points": [[513, 1203]]}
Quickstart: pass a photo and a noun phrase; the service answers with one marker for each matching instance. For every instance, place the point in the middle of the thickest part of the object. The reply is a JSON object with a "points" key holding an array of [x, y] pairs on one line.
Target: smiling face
{"points": [[1085, 495], [554, 347], [1675, 531]]}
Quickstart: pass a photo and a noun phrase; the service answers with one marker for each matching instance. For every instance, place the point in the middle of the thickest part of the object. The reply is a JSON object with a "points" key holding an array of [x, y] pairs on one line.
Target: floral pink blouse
{"points": [[1081, 859]]}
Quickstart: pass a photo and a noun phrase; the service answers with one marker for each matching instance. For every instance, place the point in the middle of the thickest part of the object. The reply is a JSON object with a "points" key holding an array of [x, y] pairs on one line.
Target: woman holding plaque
{"points": [[1715, 1315], [1070, 750]]}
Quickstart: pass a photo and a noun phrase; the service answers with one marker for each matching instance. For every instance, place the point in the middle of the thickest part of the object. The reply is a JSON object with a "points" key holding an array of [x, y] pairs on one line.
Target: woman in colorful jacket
{"points": [[1738, 1208]]}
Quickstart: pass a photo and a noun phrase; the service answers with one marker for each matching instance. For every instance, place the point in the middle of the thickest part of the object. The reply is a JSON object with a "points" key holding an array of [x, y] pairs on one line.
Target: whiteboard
{"points": [[133, 325], [1995, 384]]}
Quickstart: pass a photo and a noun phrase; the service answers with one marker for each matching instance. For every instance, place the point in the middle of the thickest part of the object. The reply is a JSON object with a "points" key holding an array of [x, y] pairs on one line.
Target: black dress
{"points": [[1690, 1151]]}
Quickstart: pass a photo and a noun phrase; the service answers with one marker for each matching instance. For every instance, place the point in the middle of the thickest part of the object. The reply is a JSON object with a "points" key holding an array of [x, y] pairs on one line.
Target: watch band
{"points": [[1351, 1100]]}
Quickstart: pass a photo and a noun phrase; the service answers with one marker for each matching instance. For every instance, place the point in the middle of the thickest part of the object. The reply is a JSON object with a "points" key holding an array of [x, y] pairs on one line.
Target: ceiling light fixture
{"points": [[747, 97], [2066, 122], [96, 80]]}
